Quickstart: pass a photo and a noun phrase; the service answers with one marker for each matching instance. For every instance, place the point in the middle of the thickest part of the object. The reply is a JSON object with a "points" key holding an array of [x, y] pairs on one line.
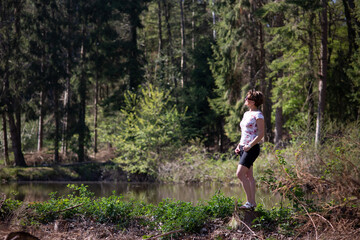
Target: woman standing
{"points": [[252, 131]]}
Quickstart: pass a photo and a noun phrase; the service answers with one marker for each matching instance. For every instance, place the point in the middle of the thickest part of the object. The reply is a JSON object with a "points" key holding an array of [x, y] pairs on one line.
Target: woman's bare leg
{"points": [[242, 174], [252, 182]]}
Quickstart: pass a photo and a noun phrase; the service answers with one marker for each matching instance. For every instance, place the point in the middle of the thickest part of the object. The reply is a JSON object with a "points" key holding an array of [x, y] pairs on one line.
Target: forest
{"points": [[148, 74], [156, 88]]}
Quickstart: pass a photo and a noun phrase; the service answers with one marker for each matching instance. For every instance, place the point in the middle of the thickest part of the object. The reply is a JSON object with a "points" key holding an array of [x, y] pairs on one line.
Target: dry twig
{"points": [[324, 219], [166, 234], [316, 233], [63, 210]]}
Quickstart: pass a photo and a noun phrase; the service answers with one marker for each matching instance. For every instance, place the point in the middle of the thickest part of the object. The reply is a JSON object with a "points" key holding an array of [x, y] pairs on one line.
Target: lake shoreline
{"points": [[87, 171]]}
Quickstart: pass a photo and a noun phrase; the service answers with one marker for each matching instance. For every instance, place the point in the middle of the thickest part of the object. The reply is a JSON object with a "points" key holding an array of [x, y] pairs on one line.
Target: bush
{"points": [[145, 128], [220, 206], [112, 209], [8, 208], [178, 215]]}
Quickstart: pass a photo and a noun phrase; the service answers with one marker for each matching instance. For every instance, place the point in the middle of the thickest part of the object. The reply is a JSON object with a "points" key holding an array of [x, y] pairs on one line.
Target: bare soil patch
{"points": [[47, 157]]}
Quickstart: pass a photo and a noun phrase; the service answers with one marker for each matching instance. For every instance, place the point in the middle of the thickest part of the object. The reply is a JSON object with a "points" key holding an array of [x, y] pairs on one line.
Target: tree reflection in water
{"points": [[147, 192]]}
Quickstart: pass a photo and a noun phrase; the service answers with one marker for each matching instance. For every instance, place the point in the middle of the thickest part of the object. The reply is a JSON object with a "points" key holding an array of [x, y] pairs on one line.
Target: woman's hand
{"points": [[237, 150], [246, 148]]}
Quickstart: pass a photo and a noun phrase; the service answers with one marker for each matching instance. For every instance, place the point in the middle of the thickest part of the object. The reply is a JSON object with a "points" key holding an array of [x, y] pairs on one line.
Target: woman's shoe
{"points": [[247, 205]]}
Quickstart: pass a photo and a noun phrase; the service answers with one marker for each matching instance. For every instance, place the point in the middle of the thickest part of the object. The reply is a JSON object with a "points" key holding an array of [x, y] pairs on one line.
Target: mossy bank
{"points": [[88, 171]]}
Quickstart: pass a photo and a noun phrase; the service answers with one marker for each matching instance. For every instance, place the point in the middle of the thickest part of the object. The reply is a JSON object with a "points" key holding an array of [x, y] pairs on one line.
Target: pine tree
{"points": [[239, 62], [12, 71]]}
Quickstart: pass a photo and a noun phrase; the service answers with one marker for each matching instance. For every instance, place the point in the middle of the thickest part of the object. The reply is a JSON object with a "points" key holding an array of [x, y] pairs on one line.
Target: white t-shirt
{"points": [[249, 129]]}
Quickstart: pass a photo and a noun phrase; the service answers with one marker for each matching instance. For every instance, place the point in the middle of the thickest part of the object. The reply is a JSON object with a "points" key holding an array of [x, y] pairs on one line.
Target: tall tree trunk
{"points": [[265, 86], [323, 71], [311, 78], [18, 116], [214, 21], [160, 38], [278, 126], [6, 149], [9, 100], [193, 26], [66, 94], [350, 29], [65, 121], [16, 142], [134, 79], [220, 127], [170, 43], [15, 133], [82, 95], [279, 121], [41, 122], [57, 124], [96, 98], [183, 44]]}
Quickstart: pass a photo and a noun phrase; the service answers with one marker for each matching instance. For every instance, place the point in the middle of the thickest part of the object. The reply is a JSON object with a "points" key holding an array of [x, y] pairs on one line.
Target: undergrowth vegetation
{"points": [[168, 215], [330, 171], [322, 182]]}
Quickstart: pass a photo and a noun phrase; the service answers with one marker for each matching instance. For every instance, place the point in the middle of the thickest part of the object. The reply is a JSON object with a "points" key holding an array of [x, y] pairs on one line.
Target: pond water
{"points": [[147, 192]]}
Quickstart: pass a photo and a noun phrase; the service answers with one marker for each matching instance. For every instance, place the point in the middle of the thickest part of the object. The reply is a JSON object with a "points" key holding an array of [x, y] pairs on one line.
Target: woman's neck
{"points": [[253, 108]]}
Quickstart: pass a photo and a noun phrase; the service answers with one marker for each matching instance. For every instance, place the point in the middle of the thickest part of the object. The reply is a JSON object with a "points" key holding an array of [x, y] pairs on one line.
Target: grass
{"points": [[194, 165]]}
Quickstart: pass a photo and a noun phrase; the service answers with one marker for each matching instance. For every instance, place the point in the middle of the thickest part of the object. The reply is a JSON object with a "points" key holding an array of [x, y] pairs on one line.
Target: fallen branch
{"points": [[166, 234], [316, 233], [324, 219], [63, 210]]}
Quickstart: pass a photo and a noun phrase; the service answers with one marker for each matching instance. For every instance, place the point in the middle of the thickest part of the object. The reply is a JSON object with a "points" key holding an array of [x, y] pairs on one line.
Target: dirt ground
{"points": [[88, 230], [215, 230]]}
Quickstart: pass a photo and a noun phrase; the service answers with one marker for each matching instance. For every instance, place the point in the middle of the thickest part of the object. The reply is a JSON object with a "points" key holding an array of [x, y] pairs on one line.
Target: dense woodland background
{"points": [[147, 76]]}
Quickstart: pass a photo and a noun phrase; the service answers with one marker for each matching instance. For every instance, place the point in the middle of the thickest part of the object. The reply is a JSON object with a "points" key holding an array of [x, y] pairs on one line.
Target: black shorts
{"points": [[248, 158]]}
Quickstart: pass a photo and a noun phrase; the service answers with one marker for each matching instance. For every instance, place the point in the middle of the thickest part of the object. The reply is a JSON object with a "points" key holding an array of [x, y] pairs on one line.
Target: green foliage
{"points": [[280, 218], [172, 215], [166, 216], [112, 209], [8, 208], [62, 206], [220, 206], [144, 129], [201, 120], [354, 74], [225, 67]]}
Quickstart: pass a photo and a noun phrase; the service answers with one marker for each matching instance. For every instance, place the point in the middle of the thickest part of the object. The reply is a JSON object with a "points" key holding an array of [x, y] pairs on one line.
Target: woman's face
{"points": [[248, 101]]}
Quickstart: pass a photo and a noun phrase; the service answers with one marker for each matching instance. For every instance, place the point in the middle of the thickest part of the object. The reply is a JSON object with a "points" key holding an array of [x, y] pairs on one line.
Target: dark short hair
{"points": [[256, 96]]}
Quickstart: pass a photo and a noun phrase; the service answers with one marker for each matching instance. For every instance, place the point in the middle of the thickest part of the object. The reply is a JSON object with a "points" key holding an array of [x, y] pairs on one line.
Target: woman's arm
{"points": [[261, 131]]}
